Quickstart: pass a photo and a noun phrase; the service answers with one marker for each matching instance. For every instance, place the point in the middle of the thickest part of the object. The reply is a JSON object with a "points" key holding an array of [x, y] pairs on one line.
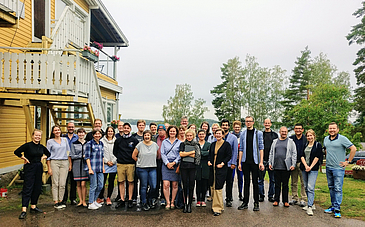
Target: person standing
{"points": [[202, 172], [211, 138], [205, 125], [335, 148], [153, 128], [161, 130], [310, 160], [123, 150], [184, 121], [78, 167], [299, 140], [94, 156], [71, 137], [145, 155], [110, 165], [282, 159], [190, 158], [232, 140], [220, 153], [58, 165], [237, 132], [251, 157], [97, 126], [268, 136], [171, 158], [33, 154], [120, 130]]}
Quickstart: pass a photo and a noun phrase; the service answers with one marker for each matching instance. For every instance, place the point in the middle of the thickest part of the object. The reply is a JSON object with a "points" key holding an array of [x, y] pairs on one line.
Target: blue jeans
{"points": [[239, 178], [335, 183], [96, 184], [271, 184], [309, 179], [147, 176]]}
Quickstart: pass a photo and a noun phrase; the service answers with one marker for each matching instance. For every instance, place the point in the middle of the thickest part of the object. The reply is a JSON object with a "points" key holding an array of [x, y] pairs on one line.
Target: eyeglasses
{"points": [[248, 121]]}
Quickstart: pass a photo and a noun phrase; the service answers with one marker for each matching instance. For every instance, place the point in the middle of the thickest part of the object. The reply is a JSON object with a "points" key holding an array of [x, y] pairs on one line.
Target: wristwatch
{"points": [[348, 162]]}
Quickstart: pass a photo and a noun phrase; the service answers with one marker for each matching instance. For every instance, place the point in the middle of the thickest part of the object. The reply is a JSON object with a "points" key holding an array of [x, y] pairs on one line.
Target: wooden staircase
{"points": [[80, 113]]}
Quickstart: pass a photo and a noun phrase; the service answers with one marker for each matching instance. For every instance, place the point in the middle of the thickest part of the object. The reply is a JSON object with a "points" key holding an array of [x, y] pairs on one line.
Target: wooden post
{"points": [[44, 124], [28, 118]]}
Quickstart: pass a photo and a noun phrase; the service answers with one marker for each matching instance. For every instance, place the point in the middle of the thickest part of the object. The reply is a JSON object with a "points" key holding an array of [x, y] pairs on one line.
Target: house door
{"points": [[39, 16]]}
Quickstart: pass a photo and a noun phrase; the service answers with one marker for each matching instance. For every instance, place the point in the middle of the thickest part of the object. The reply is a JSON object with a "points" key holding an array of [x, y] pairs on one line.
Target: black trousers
{"points": [[249, 169], [281, 183], [229, 184], [110, 185], [70, 178], [201, 189], [188, 183], [159, 183], [32, 185]]}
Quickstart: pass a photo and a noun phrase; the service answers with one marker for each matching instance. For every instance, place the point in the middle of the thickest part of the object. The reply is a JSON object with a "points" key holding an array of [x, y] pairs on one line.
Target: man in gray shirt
{"points": [[282, 159]]}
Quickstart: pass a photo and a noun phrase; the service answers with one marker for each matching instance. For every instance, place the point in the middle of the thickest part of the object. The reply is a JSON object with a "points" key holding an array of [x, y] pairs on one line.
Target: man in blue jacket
{"points": [[251, 156]]}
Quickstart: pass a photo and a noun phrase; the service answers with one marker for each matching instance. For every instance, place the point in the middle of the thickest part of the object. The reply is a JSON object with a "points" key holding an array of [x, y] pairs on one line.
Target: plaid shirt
{"points": [[95, 152]]}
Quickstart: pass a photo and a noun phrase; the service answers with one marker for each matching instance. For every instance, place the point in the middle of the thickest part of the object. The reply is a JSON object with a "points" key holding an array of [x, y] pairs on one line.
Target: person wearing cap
{"points": [[161, 135]]}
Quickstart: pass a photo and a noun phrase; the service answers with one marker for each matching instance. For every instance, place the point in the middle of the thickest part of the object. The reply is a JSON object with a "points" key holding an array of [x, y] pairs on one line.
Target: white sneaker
{"points": [[309, 211], [97, 204], [314, 207], [63, 205], [305, 208], [92, 206]]}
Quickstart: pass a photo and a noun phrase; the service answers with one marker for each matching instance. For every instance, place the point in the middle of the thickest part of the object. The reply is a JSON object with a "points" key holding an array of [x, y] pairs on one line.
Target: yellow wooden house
{"points": [[44, 78]]}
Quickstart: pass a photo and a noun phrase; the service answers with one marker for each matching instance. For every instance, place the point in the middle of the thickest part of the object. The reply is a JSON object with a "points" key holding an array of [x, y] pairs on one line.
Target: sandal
{"points": [[167, 207], [172, 207]]}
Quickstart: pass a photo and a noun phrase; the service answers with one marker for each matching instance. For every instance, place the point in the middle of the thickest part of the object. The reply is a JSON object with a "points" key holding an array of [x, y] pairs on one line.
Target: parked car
{"points": [[358, 155]]}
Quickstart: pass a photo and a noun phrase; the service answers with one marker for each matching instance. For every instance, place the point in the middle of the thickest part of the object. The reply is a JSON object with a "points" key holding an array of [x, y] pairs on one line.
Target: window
{"points": [[109, 112]]}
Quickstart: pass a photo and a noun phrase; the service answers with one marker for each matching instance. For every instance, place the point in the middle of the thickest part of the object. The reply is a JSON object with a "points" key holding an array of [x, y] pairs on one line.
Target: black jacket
{"points": [[123, 149], [224, 155], [315, 152]]}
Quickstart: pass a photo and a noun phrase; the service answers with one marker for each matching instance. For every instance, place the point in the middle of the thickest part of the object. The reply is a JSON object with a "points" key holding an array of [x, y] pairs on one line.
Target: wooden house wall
{"points": [[106, 93]]}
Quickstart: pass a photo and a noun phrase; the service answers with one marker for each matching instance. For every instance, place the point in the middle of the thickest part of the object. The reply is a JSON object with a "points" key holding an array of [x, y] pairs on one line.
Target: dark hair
{"points": [[145, 132], [202, 130], [153, 123], [219, 130], [299, 124], [169, 128], [106, 131], [126, 123], [333, 123], [80, 130], [52, 134], [253, 119], [224, 121], [205, 122], [98, 119], [95, 131]]}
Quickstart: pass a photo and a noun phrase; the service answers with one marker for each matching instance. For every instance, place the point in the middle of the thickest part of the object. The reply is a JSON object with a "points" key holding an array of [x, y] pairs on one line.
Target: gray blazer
{"points": [[291, 154]]}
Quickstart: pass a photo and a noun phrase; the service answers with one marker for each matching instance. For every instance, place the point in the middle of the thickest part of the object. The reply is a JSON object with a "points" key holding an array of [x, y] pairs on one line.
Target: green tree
{"points": [[327, 103], [227, 100], [181, 105]]}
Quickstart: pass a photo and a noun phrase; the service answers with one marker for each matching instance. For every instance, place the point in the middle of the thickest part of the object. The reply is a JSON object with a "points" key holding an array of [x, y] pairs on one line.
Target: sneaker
{"points": [[293, 202], [337, 214], [130, 203], [58, 206], [261, 199], [134, 201], [108, 202], [92, 206], [302, 203], [305, 208], [329, 210], [100, 201], [97, 204], [314, 207], [63, 205], [240, 197], [256, 207], [203, 204], [22, 215], [198, 204], [271, 199], [309, 211], [243, 206], [163, 202], [229, 203], [120, 204], [146, 207]]}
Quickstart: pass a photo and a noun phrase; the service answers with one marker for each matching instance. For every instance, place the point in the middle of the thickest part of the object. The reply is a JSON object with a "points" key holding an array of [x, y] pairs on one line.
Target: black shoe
{"points": [[73, 202], [153, 203], [130, 203], [189, 208], [228, 203], [120, 204], [243, 206], [271, 199], [146, 207], [22, 215], [36, 210], [261, 199], [216, 214], [256, 207], [185, 210], [240, 197]]}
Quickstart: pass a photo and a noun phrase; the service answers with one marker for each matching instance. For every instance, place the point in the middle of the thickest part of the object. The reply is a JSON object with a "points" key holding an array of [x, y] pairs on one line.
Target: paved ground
{"points": [[108, 216]]}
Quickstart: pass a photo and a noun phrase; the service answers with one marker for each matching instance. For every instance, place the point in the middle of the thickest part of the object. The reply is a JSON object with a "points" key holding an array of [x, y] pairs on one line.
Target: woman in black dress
{"points": [[33, 154], [220, 153], [202, 170]]}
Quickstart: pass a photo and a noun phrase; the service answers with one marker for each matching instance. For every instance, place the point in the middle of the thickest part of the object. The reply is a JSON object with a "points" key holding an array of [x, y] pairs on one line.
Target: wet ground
{"points": [[200, 216]]}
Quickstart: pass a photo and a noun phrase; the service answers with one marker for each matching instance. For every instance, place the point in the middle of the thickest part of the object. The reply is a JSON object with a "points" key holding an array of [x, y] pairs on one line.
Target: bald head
{"points": [[283, 133], [267, 124]]}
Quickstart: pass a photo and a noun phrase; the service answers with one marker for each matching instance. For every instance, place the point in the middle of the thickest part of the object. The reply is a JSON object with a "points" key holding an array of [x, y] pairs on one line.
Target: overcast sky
{"points": [[176, 42]]}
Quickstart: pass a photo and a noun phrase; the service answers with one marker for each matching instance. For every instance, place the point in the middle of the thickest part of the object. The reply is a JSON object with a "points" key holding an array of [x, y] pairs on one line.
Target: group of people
{"points": [[169, 162]]}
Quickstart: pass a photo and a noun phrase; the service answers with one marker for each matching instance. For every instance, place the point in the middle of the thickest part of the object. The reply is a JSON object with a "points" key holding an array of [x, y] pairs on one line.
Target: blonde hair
{"points": [[237, 123], [311, 131], [190, 131], [36, 130], [141, 121], [215, 124]]}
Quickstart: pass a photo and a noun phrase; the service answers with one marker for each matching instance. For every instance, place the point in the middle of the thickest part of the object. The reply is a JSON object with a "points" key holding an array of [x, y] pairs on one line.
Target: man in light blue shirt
{"points": [[336, 145]]}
